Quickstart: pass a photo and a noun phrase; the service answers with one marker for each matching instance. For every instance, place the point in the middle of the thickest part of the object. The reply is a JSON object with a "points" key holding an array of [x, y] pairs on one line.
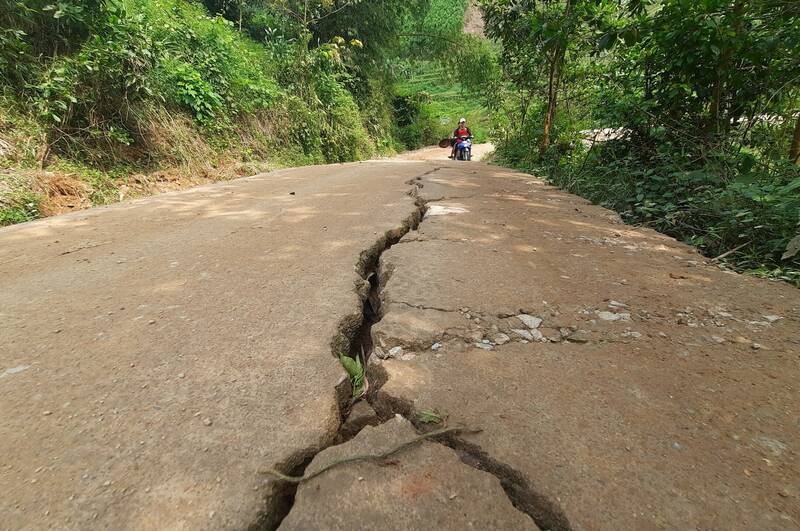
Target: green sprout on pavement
{"points": [[430, 417], [356, 371]]}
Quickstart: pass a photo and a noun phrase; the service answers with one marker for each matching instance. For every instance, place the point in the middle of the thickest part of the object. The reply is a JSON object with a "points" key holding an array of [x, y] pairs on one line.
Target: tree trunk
{"points": [[525, 102], [794, 153], [719, 121], [556, 66], [716, 99], [552, 93]]}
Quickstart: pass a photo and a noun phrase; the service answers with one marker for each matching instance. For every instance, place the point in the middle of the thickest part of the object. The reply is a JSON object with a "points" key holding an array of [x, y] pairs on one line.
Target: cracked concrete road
{"points": [[630, 382], [425, 487], [154, 355]]}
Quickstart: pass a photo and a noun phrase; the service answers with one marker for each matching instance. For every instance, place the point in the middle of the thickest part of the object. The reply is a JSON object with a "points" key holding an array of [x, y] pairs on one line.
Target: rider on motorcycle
{"points": [[461, 132]]}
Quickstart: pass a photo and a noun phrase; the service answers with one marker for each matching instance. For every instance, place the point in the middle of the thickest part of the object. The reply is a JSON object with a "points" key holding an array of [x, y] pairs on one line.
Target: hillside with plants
{"points": [[682, 115], [106, 99], [442, 74]]}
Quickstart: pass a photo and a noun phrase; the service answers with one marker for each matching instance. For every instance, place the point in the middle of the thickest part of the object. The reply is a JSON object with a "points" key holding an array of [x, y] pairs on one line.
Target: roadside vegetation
{"points": [[681, 115], [106, 99]]}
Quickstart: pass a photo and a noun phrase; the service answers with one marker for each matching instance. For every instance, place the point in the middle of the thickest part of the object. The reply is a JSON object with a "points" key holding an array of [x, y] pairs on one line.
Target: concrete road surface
{"points": [[154, 355], [161, 359]]}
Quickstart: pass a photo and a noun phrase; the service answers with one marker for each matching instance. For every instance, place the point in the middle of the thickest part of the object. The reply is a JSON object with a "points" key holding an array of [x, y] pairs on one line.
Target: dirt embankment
{"points": [[473, 21]]}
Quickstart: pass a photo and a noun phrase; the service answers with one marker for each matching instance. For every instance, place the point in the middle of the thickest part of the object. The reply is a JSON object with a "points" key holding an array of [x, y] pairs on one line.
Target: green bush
{"points": [[730, 201], [122, 86], [18, 206], [343, 135], [182, 85], [416, 126], [442, 23]]}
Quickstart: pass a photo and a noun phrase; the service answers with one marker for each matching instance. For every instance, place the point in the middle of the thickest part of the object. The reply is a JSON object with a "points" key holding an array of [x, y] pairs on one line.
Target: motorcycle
{"points": [[464, 148]]}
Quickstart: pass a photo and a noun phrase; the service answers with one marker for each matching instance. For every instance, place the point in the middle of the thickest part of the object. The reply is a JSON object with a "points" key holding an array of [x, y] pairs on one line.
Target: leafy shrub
{"points": [[89, 95], [183, 86], [343, 135], [416, 126], [13, 48], [304, 125], [700, 91], [126, 84]]}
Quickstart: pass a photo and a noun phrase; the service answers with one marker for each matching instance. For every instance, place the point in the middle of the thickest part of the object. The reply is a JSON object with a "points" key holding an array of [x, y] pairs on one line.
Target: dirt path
{"points": [[473, 20], [160, 359], [436, 154]]}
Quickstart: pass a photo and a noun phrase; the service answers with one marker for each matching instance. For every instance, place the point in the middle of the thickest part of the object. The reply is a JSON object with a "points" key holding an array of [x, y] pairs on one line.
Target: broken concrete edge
{"points": [[522, 493], [346, 340], [485, 330], [391, 476], [279, 498]]}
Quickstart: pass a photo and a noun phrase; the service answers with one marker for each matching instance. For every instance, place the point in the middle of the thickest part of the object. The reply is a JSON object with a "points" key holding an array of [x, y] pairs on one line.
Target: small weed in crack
{"points": [[357, 373]]}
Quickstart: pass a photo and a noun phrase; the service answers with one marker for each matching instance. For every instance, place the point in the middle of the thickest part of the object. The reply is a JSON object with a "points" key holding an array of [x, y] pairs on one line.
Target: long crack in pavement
{"points": [[353, 339], [332, 513], [616, 379], [621, 380], [156, 354]]}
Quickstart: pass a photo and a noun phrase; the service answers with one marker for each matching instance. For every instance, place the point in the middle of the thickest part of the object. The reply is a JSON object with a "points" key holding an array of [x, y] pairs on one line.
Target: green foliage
{"points": [[104, 66], [430, 102], [343, 138], [185, 87], [18, 207], [415, 125], [377, 25], [446, 74], [205, 67], [14, 49], [702, 97], [429, 416], [444, 19], [89, 94], [475, 67], [355, 370]]}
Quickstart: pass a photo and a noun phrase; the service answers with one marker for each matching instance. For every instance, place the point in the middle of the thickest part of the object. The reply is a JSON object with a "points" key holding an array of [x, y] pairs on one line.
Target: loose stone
{"points": [[501, 339], [523, 334], [611, 316], [530, 321]]}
